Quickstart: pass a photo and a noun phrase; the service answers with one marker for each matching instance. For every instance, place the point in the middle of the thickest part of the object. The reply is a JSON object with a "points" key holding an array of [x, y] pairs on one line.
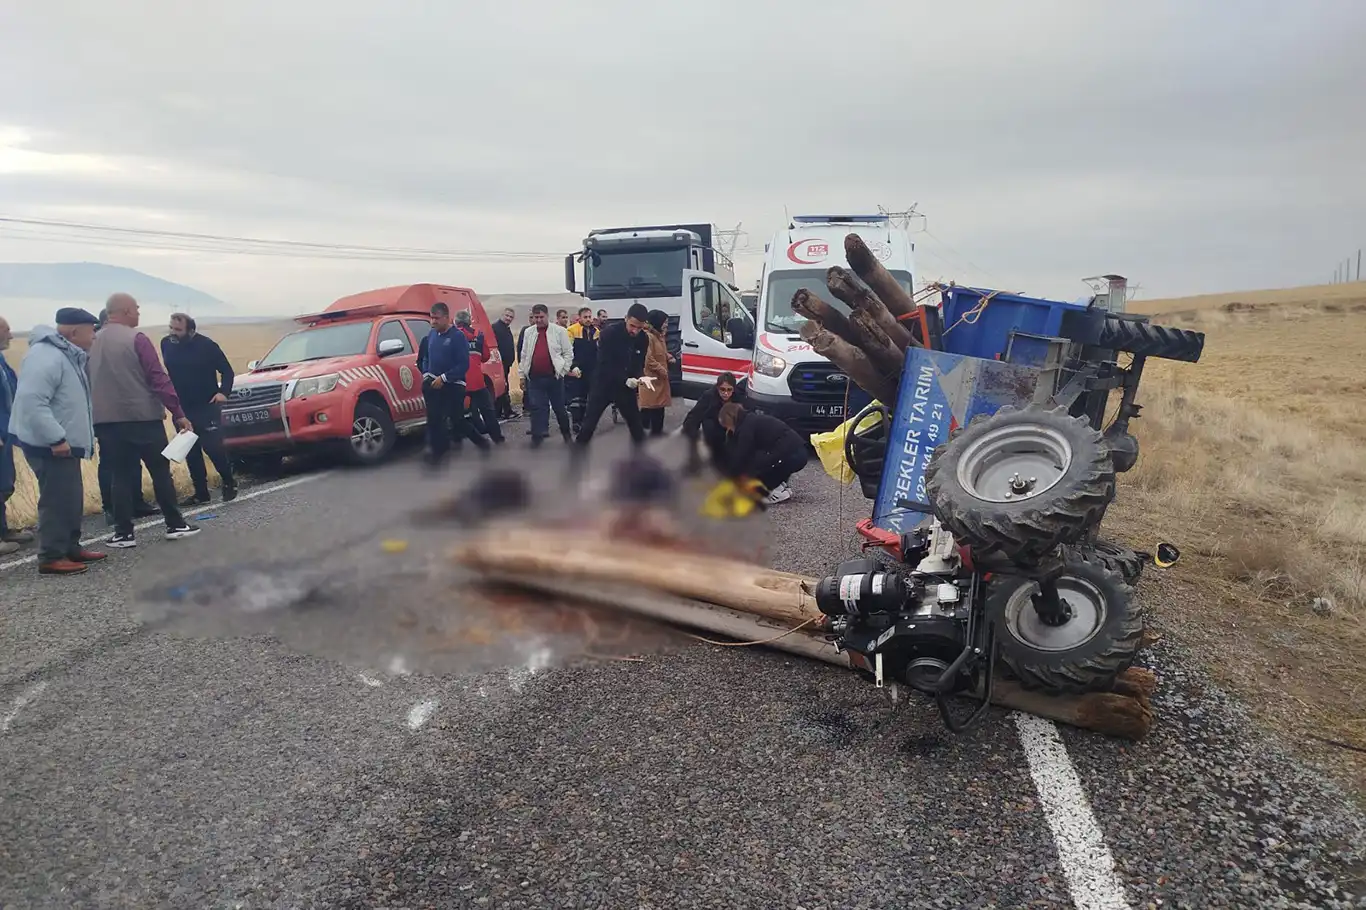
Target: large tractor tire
{"points": [[1084, 654], [1019, 483], [1114, 556], [1152, 340]]}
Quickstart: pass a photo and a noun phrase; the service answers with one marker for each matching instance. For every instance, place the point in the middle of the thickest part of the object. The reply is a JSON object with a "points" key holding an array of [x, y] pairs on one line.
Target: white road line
{"points": [[1086, 860], [200, 510], [421, 712], [20, 702]]}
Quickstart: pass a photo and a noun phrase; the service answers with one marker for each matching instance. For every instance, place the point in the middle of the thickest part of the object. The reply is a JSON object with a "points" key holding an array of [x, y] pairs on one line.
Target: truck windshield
{"points": [[319, 342], [778, 313], [640, 272]]}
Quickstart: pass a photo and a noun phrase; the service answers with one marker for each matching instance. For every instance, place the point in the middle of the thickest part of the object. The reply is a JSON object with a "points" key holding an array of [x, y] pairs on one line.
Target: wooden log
{"points": [[750, 605], [570, 559], [853, 361], [843, 286], [880, 350], [829, 318], [872, 273]]}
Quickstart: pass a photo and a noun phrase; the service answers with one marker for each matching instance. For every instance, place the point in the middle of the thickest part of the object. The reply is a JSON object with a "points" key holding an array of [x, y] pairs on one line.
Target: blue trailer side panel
{"points": [[939, 392]]}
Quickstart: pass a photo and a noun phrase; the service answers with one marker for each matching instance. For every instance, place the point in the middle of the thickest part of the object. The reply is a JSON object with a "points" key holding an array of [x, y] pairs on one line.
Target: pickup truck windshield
{"points": [[653, 272], [319, 342], [779, 315]]}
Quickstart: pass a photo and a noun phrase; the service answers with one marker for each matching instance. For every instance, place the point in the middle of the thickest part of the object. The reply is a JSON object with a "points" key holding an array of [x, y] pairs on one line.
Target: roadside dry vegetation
{"points": [[1253, 461]]}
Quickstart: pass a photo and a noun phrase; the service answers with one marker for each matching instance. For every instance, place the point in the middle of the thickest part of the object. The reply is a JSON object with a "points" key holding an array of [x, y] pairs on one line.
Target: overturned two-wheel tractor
{"points": [[1025, 491]]}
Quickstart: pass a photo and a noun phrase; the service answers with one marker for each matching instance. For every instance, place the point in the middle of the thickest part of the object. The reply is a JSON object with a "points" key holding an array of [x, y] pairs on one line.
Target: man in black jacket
{"points": [[202, 377], [621, 358], [762, 447], [507, 352]]}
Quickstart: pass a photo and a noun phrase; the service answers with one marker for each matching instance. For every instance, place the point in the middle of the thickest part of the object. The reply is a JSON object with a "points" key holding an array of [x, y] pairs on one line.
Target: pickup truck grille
{"points": [[257, 395], [815, 383]]}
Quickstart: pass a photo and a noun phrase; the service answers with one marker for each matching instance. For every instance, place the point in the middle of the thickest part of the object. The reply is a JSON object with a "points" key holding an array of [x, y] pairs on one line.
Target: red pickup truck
{"points": [[347, 379]]}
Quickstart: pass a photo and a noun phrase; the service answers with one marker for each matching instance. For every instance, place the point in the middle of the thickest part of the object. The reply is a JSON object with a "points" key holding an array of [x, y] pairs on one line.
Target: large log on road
{"points": [[746, 603]]}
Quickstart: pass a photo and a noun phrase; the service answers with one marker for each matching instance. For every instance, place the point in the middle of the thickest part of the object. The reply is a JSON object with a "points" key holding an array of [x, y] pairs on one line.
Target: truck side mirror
{"points": [[251, 364], [740, 335], [391, 346], [569, 274]]}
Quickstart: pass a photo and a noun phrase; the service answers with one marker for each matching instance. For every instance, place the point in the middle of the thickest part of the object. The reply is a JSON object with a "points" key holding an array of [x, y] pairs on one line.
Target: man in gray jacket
{"points": [[130, 395], [51, 420]]}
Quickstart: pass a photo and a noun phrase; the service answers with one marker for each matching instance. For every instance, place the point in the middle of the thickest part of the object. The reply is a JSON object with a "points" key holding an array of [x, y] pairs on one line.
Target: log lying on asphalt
{"points": [[873, 274], [747, 603], [860, 299], [853, 361]]}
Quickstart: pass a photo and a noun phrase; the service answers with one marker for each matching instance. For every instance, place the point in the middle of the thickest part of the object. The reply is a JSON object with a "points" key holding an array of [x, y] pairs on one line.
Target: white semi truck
{"points": [[789, 380], [673, 268]]}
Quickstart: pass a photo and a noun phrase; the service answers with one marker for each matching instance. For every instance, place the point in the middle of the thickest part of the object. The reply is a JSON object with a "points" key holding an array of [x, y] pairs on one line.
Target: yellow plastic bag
{"points": [[830, 446]]}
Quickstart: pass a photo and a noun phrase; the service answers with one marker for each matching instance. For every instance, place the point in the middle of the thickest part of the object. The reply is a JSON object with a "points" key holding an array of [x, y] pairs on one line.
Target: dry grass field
{"points": [[241, 342], [1254, 462]]}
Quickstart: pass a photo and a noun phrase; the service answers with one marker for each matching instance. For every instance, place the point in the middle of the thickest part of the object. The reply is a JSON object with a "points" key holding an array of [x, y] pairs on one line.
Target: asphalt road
{"points": [[158, 769]]}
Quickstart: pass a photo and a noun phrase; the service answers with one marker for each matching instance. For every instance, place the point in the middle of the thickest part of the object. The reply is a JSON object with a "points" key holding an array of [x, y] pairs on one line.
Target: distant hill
{"points": [[92, 282]]}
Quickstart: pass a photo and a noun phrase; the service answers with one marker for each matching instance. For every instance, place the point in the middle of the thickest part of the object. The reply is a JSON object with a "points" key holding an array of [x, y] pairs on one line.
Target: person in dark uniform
{"points": [[761, 447], [202, 377], [444, 360], [621, 358], [584, 334], [507, 352], [701, 423]]}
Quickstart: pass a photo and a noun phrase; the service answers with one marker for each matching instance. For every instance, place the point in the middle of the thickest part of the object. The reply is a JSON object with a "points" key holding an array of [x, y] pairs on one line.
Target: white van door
{"points": [[705, 331]]}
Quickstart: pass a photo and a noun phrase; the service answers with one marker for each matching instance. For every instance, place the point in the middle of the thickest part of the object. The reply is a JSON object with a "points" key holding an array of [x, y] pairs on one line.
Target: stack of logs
{"points": [[870, 344]]}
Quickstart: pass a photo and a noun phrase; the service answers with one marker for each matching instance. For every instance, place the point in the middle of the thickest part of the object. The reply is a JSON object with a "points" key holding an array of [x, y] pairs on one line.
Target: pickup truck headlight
{"points": [[316, 385], [768, 364]]}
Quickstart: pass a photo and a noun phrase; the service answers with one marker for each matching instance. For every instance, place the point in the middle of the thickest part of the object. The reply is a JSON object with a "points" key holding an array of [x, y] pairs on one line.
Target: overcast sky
{"points": [[1194, 146]]}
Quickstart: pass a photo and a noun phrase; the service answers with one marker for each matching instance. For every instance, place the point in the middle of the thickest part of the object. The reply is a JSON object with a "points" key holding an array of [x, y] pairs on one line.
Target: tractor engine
{"points": [[912, 622]]}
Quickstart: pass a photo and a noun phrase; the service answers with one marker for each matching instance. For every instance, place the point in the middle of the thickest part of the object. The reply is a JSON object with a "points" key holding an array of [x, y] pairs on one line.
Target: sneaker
{"points": [[20, 537], [122, 541], [6, 548], [185, 530], [195, 501], [60, 567], [84, 555], [778, 494], [229, 492]]}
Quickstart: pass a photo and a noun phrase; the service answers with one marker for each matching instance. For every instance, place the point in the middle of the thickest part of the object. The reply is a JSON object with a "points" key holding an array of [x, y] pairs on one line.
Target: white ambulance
{"points": [[789, 380]]}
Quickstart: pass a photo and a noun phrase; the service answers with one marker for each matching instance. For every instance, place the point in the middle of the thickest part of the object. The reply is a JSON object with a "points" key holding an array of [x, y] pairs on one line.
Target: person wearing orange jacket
{"points": [[476, 383]]}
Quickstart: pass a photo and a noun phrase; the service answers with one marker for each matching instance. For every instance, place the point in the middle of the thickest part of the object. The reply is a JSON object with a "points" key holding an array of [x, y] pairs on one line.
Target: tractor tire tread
{"points": [[1029, 531]]}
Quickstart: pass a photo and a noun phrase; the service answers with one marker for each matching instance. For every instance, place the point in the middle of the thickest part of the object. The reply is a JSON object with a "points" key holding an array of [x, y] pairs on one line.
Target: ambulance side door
{"points": [[708, 306]]}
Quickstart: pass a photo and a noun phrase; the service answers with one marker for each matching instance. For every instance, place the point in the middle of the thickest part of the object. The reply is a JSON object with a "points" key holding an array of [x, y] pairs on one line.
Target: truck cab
{"points": [[673, 268], [347, 379], [790, 380]]}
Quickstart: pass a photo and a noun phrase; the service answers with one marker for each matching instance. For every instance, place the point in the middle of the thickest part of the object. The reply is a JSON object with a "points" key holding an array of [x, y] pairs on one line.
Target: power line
{"points": [[183, 241]]}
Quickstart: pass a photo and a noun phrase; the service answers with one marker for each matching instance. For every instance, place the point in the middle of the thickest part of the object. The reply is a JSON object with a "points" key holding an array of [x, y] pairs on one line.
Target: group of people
{"points": [[577, 371], [574, 371], [97, 380]]}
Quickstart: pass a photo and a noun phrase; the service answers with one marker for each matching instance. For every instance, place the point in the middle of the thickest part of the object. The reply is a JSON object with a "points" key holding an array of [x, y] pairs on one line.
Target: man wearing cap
{"points": [[51, 420], [10, 539], [130, 395]]}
